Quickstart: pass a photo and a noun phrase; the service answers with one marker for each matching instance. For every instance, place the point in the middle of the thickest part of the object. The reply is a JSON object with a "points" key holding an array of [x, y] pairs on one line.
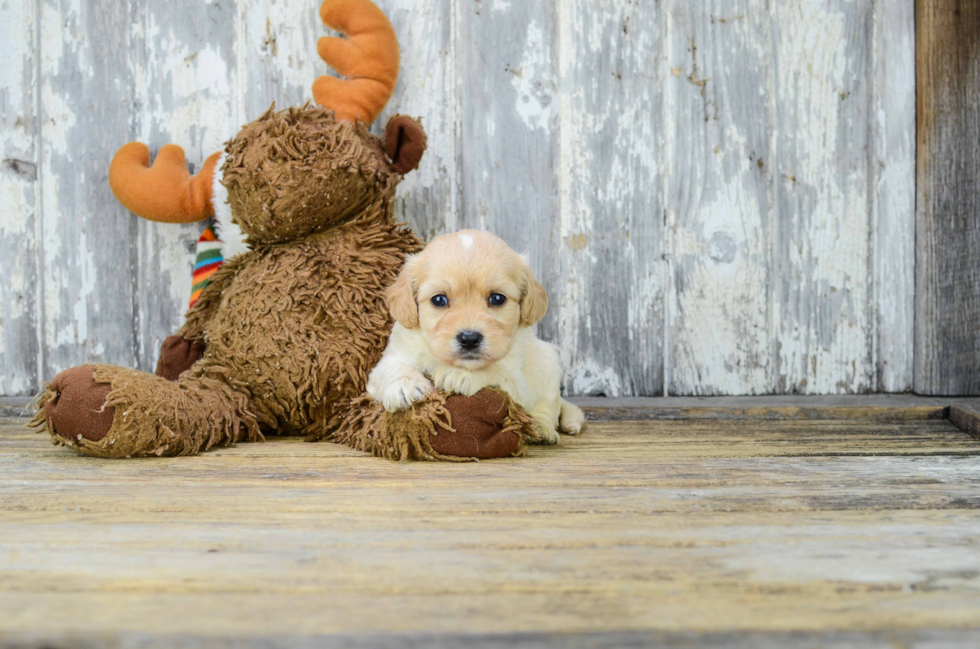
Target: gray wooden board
{"points": [[827, 532], [892, 178], [610, 292], [966, 417], [718, 199], [89, 253], [822, 280], [917, 639], [947, 289], [618, 143], [18, 193]]}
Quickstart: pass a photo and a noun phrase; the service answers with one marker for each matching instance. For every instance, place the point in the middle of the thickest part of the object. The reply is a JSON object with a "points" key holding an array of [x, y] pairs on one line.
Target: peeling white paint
{"points": [[893, 209], [18, 180], [634, 150], [610, 294], [822, 200], [590, 378], [533, 78], [427, 197]]}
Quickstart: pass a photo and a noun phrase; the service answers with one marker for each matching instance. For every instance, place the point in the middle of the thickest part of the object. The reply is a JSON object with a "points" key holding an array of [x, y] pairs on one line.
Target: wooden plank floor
{"points": [[637, 533]]}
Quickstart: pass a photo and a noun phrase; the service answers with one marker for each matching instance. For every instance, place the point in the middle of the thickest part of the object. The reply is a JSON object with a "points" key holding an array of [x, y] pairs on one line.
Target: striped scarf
{"points": [[209, 259]]}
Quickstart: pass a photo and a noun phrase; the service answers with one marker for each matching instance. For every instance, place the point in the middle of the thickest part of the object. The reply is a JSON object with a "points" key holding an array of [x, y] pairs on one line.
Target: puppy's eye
{"points": [[497, 299], [439, 301]]}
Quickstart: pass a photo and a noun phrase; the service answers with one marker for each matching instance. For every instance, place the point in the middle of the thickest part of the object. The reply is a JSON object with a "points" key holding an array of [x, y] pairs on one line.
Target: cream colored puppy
{"points": [[464, 309]]}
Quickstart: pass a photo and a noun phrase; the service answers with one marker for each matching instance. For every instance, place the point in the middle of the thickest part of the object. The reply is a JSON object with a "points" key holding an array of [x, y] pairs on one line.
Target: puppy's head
{"points": [[468, 293]]}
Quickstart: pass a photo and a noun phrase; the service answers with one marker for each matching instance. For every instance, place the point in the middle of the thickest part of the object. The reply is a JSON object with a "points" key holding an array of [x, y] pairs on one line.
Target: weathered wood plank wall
{"points": [[719, 196], [19, 243], [947, 324]]}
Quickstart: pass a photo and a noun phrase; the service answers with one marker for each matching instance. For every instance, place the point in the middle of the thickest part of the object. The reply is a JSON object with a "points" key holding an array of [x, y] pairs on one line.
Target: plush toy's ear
{"points": [[534, 301], [401, 296], [404, 142]]}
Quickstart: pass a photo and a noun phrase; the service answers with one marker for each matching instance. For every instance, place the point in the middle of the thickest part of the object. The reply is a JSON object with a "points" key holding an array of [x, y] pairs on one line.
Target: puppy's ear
{"points": [[534, 302], [401, 296]]}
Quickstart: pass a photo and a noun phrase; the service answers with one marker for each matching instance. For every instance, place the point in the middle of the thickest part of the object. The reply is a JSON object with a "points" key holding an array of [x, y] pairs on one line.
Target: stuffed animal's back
{"points": [[302, 324]]}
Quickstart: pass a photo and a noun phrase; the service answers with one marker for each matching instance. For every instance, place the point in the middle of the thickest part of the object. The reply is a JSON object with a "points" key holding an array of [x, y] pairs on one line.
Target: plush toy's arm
{"points": [[439, 427], [203, 310]]}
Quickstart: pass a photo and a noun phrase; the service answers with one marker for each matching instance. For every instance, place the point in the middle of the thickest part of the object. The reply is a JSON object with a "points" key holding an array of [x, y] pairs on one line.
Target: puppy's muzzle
{"points": [[469, 341]]}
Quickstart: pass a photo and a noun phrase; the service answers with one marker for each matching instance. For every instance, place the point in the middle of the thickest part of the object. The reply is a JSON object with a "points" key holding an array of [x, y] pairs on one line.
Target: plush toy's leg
{"points": [[439, 427], [110, 411]]}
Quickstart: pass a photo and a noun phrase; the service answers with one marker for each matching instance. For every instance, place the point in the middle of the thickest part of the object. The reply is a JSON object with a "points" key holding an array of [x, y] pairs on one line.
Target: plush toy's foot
{"points": [[478, 429], [176, 357], [77, 407], [454, 428], [109, 411]]}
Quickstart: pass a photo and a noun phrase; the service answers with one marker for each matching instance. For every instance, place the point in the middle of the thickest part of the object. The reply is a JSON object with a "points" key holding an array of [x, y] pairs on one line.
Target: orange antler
{"points": [[368, 59], [166, 191]]}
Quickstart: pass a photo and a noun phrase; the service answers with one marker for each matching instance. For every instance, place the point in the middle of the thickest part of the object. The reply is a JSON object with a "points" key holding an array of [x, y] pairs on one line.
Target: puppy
{"points": [[464, 309]]}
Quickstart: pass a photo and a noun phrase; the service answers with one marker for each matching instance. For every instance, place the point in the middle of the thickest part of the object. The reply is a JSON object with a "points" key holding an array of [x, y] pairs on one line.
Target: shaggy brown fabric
{"points": [[299, 171], [176, 356], [455, 428], [290, 329], [154, 416], [76, 405]]}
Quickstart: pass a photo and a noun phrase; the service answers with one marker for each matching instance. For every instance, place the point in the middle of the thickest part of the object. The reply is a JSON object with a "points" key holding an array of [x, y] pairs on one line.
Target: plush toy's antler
{"points": [[166, 191], [368, 59]]}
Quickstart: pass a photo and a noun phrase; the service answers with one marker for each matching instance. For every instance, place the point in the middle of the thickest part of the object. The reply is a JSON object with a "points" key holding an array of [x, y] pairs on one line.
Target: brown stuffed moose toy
{"points": [[283, 337]]}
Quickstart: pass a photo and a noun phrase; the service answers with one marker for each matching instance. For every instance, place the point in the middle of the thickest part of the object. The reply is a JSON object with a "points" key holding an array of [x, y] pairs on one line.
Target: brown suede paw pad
{"points": [[478, 423], [176, 356], [78, 408]]}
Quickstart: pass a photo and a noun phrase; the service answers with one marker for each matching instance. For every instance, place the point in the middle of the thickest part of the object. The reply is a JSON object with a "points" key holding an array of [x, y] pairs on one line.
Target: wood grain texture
{"points": [[892, 178], [18, 195], [966, 418], [718, 198], [88, 241], [618, 143], [821, 273], [915, 639], [720, 528], [611, 253], [277, 49], [907, 639], [947, 278]]}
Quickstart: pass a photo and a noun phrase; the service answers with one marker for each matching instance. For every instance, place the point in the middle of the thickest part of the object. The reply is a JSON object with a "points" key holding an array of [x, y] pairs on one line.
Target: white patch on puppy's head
{"points": [[466, 240]]}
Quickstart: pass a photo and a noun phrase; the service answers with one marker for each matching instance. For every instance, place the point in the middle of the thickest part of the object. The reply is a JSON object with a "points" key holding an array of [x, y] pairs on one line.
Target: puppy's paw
{"points": [[403, 392], [543, 434], [572, 418]]}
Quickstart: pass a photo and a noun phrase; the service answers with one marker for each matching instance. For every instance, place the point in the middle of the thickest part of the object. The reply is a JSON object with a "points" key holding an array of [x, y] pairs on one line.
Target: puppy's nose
{"points": [[469, 340]]}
